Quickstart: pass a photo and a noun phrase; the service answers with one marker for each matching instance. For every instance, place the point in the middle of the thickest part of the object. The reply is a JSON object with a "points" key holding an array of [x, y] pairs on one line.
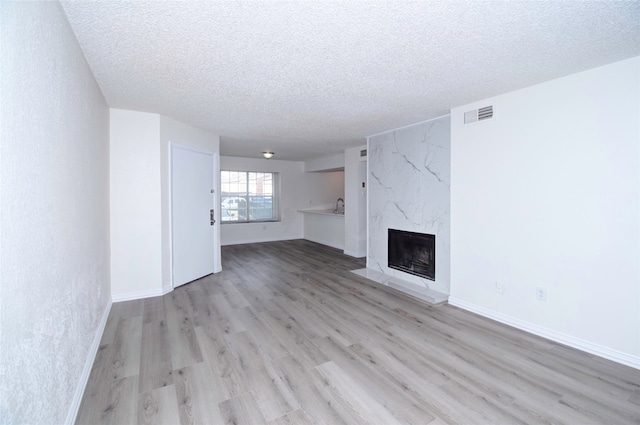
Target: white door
{"points": [[192, 203]]}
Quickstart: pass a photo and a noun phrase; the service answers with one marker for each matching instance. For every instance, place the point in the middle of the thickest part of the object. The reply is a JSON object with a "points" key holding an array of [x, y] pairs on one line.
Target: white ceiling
{"points": [[309, 78]]}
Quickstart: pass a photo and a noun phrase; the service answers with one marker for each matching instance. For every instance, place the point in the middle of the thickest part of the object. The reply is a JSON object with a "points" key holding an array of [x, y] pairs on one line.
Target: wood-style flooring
{"points": [[287, 335]]}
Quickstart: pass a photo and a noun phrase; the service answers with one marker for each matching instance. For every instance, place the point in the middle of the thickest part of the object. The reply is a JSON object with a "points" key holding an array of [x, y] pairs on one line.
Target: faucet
{"points": [[339, 208]]}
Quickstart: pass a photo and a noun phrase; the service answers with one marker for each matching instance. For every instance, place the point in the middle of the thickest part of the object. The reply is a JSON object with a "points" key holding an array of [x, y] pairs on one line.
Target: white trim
{"points": [[405, 126], [170, 211], [354, 254], [217, 254], [88, 365], [190, 148], [580, 344], [325, 243], [137, 295], [261, 240]]}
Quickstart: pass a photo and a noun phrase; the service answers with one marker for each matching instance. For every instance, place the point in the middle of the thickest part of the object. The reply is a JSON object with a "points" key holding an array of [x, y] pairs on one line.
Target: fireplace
{"points": [[413, 253]]}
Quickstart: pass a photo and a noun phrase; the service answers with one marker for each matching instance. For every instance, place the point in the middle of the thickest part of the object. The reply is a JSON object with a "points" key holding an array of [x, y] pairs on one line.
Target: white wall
{"points": [[141, 202], [322, 190], [298, 190], [54, 173], [325, 163], [325, 229], [547, 194], [355, 198], [136, 237], [409, 175], [172, 131]]}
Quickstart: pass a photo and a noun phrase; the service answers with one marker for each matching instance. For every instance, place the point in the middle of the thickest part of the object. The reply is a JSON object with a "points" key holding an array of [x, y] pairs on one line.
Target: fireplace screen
{"points": [[413, 253]]}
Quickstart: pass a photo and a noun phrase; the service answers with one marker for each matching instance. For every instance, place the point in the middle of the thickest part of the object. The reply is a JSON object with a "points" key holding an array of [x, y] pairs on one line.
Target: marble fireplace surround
{"points": [[409, 189], [422, 293]]}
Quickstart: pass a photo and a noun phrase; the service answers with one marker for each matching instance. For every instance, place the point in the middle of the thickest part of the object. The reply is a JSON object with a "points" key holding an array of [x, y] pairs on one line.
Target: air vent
{"points": [[363, 152], [480, 114], [485, 113]]}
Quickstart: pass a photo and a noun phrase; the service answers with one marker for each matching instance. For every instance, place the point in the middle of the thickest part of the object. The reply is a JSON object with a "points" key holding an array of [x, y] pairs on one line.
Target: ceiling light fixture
{"points": [[268, 155]]}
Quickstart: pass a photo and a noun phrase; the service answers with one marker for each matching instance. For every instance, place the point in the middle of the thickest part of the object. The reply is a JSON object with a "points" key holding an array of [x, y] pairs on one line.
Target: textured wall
{"points": [[55, 213], [409, 175]]}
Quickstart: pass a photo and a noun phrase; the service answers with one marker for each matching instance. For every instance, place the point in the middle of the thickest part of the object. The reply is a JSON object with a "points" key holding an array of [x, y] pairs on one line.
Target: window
{"points": [[248, 196]]}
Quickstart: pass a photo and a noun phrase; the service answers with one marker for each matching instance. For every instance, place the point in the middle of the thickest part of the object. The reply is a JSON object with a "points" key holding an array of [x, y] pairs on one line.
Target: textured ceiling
{"points": [[309, 78]]}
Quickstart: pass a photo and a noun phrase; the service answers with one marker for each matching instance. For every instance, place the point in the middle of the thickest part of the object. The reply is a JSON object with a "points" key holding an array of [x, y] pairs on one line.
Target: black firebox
{"points": [[413, 253]]}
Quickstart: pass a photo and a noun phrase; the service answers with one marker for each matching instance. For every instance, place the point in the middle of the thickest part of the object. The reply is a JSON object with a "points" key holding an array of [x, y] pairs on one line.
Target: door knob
{"points": [[211, 215]]}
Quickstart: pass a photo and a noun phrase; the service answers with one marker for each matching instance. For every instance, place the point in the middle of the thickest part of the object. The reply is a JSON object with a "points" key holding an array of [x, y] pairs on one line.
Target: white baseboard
{"points": [[580, 344], [88, 364], [136, 295], [326, 243], [355, 254], [260, 240]]}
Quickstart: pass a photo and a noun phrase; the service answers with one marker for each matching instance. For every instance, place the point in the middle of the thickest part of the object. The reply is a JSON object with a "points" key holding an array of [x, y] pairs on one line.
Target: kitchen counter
{"points": [[321, 212], [324, 227]]}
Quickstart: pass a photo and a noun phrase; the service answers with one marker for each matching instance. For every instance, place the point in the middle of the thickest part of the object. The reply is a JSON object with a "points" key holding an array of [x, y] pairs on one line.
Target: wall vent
{"points": [[479, 114], [363, 152], [485, 113]]}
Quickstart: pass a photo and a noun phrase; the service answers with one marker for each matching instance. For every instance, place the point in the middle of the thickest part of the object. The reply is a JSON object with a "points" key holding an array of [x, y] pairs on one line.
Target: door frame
{"points": [[217, 263]]}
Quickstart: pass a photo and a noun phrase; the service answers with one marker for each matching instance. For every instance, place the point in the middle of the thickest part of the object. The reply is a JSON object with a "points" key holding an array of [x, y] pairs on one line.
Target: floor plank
{"points": [[197, 395], [158, 407], [294, 418], [183, 344], [320, 405], [356, 395], [265, 384], [399, 403], [156, 368], [125, 349], [286, 334], [241, 410], [227, 372]]}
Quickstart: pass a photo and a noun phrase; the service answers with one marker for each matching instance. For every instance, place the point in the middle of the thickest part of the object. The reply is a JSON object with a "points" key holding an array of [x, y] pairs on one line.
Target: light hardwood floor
{"points": [[287, 335]]}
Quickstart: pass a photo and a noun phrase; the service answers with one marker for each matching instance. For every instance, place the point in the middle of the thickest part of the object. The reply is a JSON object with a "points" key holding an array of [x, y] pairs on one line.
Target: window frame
{"points": [[246, 196]]}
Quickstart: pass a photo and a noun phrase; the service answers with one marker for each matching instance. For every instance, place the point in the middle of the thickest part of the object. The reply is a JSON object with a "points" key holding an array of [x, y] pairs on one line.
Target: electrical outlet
{"points": [[541, 293], [500, 287]]}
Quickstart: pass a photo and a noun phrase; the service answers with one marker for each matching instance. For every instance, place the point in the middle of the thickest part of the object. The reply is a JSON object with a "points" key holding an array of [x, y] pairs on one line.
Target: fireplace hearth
{"points": [[412, 252]]}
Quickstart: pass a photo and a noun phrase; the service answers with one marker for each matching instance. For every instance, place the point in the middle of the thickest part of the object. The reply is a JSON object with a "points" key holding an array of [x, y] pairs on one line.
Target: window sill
{"points": [[250, 222]]}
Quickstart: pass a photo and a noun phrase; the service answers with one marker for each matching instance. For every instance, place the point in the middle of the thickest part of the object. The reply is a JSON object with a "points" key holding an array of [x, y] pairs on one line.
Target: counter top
{"points": [[321, 212]]}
